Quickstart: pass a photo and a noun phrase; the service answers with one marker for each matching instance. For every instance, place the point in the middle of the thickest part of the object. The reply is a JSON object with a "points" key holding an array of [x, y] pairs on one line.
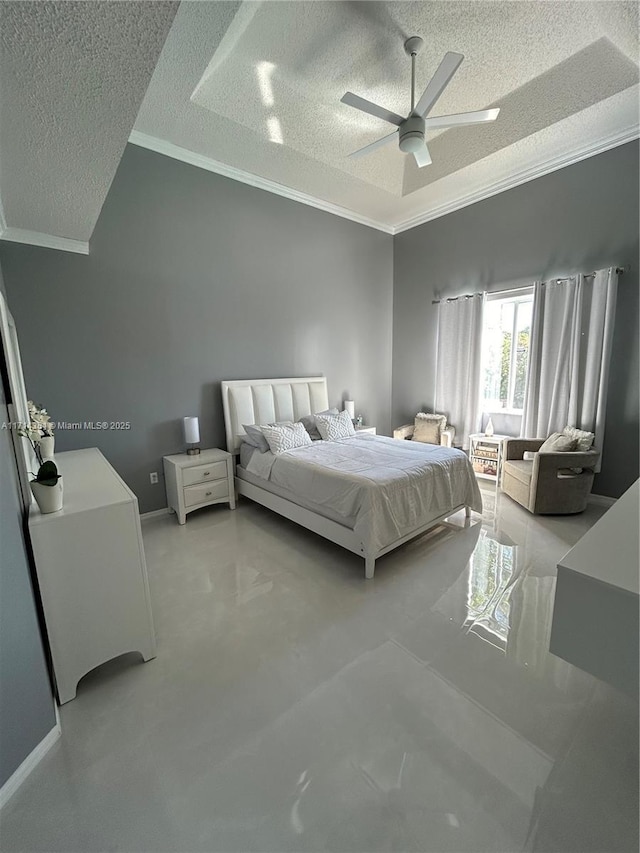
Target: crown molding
{"points": [[161, 146], [522, 177], [47, 241]]}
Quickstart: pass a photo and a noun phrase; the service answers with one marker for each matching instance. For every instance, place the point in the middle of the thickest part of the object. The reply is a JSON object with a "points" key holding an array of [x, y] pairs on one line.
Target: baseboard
{"points": [[602, 500], [155, 513], [31, 761]]}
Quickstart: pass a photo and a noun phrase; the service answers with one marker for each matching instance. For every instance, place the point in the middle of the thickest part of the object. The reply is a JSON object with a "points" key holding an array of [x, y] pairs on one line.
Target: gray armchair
{"points": [[546, 484]]}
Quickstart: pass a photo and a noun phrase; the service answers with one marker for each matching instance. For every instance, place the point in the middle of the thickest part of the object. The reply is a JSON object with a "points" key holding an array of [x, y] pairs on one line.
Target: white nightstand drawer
{"points": [[204, 473], [205, 492]]}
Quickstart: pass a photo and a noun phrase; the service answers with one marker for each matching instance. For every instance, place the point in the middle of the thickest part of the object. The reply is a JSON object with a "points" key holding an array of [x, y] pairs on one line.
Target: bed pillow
{"points": [[255, 436], [283, 437], [584, 440], [558, 443], [335, 427], [309, 423], [427, 428]]}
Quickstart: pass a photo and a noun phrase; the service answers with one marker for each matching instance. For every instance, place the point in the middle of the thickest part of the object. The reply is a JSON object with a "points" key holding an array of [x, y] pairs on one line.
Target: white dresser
{"points": [[193, 482], [91, 571]]}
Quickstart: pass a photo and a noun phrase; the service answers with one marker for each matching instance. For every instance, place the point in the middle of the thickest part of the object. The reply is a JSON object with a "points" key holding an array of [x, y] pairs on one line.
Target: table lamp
{"points": [[192, 435]]}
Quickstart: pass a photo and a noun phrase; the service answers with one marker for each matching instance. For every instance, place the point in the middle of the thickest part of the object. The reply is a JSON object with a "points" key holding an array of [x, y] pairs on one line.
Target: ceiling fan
{"points": [[411, 130]]}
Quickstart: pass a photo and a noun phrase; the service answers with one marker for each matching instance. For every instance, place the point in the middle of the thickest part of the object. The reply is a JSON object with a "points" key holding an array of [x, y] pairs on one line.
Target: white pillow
{"points": [[309, 422], [283, 437], [254, 435], [334, 427], [583, 440]]}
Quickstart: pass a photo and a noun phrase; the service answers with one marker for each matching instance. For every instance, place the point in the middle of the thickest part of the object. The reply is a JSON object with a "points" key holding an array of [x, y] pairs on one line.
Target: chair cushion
{"points": [[519, 469]]}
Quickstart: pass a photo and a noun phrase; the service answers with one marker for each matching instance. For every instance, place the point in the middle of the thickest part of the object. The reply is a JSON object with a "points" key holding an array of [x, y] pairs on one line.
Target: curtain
{"points": [[554, 357], [569, 355], [458, 355], [598, 355]]}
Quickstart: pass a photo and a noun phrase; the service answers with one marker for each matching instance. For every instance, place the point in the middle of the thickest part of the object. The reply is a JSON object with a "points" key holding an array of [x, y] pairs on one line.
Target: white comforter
{"points": [[382, 487]]}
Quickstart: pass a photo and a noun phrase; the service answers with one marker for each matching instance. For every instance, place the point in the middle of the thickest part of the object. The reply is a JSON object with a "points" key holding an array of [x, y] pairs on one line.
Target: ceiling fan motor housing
{"points": [[412, 134]]}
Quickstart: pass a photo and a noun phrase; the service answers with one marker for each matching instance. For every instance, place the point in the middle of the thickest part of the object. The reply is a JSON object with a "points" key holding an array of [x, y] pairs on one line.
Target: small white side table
{"points": [[485, 453], [363, 428], [193, 482]]}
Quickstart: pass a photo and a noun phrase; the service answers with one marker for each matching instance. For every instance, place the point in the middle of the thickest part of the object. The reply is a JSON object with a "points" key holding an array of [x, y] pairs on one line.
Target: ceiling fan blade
{"points": [[423, 158], [373, 109], [438, 83], [461, 119], [373, 145]]}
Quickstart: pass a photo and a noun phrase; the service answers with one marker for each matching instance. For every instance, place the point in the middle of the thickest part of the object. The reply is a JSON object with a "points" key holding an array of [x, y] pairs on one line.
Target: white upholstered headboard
{"points": [[261, 401]]}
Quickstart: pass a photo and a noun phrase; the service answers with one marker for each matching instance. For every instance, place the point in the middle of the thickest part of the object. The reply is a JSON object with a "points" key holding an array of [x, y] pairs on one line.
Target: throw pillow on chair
{"points": [[428, 428]]}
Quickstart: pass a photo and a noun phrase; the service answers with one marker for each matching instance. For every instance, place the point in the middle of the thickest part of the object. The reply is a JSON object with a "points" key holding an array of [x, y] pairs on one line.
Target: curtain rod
{"points": [[619, 271]]}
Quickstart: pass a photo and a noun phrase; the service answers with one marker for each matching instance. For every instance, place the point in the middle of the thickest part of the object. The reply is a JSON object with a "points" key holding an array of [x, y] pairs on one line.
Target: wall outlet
{"points": [[153, 478]]}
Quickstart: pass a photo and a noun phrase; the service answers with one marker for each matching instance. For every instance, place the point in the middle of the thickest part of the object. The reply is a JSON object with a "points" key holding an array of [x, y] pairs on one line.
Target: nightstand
{"points": [[363, 428], [196, 481]]}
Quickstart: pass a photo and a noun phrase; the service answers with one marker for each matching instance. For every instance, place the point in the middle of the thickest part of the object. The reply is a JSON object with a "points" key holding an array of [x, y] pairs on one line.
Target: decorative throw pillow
{"points": [[255, 436], [334, 427], [558, 443], [427, 427], [283, 437], [584, 440], [309, 423]]}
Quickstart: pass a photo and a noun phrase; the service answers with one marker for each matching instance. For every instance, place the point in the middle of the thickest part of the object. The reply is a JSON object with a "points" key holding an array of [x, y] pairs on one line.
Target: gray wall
{"points": [[193, 278], [581, 218], [26, 704]]}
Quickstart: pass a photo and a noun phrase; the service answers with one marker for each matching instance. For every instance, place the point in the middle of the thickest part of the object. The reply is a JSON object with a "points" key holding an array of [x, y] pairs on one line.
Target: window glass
{"points": [[505, 352]]}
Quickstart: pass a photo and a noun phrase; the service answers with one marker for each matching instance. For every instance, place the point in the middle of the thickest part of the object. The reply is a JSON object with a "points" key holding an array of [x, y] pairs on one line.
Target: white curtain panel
{"points": [[569, 356], [598, 355], [458, 358], [554, 358]]}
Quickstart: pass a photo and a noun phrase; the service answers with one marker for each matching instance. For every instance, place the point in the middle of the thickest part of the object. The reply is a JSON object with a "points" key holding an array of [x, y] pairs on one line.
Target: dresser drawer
{"points": [[204, 473], [204, 492]]}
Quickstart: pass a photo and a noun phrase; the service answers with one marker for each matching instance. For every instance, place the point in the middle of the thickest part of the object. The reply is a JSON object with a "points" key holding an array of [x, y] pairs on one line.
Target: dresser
{"points": [[91, 571], [193, 482]]}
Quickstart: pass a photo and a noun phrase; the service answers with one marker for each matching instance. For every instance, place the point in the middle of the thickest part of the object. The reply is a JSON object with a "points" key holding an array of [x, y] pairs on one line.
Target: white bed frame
{"points": [[254, 401]]}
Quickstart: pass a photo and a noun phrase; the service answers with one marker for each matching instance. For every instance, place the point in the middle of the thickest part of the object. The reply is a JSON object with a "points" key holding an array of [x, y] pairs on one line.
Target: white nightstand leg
{"points": [[182, 517]]}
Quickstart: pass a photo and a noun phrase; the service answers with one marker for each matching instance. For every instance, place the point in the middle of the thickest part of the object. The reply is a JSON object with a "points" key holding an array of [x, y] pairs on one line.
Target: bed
{"points": [[368, 494]]}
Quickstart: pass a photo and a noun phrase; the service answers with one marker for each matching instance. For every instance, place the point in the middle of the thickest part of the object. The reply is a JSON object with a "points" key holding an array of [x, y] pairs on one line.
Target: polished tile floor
{"points": [[294, 706]]}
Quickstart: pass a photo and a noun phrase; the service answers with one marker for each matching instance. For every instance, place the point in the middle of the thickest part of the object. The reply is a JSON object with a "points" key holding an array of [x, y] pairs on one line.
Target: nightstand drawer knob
{"points": [[208, 494], [206, 473]]}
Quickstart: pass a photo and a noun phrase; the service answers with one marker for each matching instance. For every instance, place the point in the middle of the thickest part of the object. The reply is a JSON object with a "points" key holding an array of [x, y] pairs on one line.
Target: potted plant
{"points": [[47, 487], [41, 430]]}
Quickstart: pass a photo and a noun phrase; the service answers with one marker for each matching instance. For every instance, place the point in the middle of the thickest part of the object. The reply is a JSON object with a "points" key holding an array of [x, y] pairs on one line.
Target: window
{"points": [[505, 350]]}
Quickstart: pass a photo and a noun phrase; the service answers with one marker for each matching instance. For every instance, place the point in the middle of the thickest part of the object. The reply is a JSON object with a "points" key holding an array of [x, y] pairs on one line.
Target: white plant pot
{"points": [[47, 444], [48, 498]]}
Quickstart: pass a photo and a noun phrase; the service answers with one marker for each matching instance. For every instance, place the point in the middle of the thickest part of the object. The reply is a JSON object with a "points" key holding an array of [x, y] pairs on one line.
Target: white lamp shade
{"points": [[191, 430], [350, 407]]}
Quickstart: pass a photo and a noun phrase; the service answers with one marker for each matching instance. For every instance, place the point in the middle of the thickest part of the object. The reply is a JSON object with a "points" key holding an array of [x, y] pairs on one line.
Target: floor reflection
{"points": [[491, 572]]}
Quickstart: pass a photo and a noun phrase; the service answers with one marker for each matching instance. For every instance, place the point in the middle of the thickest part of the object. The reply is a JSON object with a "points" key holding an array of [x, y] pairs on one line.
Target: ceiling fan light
{"points": [[411, 142]]}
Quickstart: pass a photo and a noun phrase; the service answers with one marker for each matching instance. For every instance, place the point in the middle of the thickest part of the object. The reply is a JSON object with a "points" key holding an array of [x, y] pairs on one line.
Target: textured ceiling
{"points": [[72, 77], [257, 86]]}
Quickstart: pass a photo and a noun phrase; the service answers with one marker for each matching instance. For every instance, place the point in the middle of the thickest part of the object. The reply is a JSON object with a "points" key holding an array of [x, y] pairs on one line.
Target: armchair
{"points": [[446, 435], [546, 484]]}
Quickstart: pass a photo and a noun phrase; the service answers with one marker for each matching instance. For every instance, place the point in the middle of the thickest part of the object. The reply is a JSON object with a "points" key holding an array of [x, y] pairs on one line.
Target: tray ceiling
{"points": [[257, 87], [252, 90]]}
